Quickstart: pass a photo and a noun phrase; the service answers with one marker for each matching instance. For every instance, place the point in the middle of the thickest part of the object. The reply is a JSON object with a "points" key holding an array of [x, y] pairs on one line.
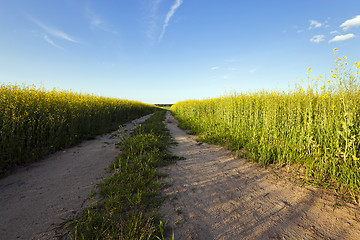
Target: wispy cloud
{"points": [[97, 22], [215, 68], [53, 31], [169, 15], [152, 26], [354, 22], [155, 5], [317, 38], [334, 32], [315, 24], [342, 37], [49, 40]]}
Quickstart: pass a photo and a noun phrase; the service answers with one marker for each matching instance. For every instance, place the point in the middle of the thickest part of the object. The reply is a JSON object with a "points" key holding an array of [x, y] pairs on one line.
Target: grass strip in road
{"points": [[130, 199]]}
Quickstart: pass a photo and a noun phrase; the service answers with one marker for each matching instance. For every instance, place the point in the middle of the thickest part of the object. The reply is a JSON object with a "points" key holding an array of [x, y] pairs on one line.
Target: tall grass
{"points": [[316, 124], [36, 122]]}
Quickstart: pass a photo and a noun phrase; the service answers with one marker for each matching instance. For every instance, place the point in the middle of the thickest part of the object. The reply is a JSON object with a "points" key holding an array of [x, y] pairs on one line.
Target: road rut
{"points": [[216, 195], [36, 198]]}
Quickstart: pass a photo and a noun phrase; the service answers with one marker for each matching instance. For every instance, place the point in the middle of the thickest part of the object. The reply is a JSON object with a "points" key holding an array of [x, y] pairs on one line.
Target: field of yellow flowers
{"points": [[316, 125], [36, 122]]}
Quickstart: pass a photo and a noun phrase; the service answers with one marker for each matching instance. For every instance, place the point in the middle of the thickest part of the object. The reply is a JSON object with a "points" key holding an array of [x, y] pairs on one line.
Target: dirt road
{"points": [[214, 195], [37, 197]]}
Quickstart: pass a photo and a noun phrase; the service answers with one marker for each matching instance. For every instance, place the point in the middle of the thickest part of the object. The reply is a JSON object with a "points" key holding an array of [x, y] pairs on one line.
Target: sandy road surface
{"points": [[214, 195], [40, 195]]}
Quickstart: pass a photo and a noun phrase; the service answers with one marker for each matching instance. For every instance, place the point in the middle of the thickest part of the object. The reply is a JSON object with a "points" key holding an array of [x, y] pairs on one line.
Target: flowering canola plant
{"points": [[36, 122], [316, 125]]}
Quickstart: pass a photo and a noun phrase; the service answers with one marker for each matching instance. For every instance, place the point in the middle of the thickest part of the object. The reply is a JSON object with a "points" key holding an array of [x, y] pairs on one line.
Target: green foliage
{"points": [[129, 198], [316, 125], [36, 122]]}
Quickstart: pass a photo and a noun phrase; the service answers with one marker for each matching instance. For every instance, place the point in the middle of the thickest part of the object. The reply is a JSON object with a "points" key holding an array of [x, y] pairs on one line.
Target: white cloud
{"points": [[53, 31], [49, 40], [314, 24], [317, 38], [169, 15], [153, 18], [155, 5], [354, 22], [334, 32], [215, 68], [252, 70], [97, 22], [342, 37]]}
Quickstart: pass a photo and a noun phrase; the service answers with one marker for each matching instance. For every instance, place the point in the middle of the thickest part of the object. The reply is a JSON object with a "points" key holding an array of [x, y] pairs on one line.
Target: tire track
{"points": [[37, 198], [215, 195]]}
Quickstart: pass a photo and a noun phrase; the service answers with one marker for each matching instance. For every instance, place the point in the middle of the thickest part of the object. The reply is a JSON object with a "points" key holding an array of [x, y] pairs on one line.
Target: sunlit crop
{"points": [[315, 124], [35, 122]]}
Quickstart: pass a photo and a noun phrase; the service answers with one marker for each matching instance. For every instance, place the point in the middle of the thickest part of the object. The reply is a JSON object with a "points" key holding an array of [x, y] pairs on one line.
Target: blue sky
{"points": [[165, 51]]}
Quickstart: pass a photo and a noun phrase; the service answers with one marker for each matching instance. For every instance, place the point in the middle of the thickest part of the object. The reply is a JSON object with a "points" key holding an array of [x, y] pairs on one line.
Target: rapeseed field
{"points": [[36, 122], [315, 125]]}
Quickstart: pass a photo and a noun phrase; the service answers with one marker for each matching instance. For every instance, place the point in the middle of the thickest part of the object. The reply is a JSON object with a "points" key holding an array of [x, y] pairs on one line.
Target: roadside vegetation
{"points": [[127, 207], [315, 126], [36, 122]]}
